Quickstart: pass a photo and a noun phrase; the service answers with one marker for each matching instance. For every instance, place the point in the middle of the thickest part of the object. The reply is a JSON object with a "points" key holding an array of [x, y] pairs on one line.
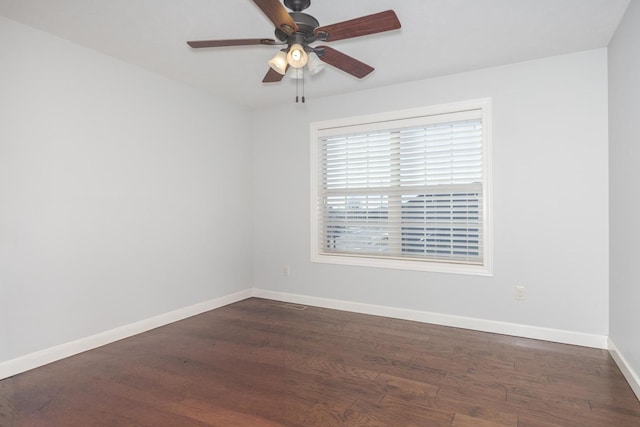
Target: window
{"points": [[404, 190]]}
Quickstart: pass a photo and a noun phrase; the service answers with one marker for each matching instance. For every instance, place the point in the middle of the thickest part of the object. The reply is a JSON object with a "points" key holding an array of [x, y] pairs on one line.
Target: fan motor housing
{"points": [[305, 22]]}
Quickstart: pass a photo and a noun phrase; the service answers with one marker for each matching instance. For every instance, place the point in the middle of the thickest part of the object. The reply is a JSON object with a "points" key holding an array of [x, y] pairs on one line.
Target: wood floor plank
{"points": [[267, 364], [395, 412], [477, 410], [529, 421], [406, 389], [462, 420]]}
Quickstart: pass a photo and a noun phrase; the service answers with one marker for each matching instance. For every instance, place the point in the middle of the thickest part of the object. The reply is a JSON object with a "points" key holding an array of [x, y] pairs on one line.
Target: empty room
{"points": [[319, 213]]}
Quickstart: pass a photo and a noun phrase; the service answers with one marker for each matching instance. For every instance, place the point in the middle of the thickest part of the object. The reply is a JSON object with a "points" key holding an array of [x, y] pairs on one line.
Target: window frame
{"points": [[317, 129]]}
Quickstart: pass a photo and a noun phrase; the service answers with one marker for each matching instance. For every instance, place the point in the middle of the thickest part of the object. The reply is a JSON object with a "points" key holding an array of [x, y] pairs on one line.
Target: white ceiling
{"points": [[437, 37]]}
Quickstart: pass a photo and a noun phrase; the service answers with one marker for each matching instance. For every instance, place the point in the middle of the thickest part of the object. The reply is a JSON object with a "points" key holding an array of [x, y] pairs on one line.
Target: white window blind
{"points": [[404, 189]]}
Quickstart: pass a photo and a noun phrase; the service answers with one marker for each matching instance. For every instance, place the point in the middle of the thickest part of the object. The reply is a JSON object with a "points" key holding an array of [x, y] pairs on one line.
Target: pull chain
{"points": [[300, 70]]}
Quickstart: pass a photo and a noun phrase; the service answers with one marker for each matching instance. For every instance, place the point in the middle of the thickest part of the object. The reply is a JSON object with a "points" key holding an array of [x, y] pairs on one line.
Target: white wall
{"points": [[123, 195], [624, 160], [550, 198]]}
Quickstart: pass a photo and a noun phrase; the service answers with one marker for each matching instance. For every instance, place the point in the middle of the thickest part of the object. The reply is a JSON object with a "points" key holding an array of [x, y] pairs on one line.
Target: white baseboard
{"points": [[526, 331], [629, 373], [52, 354]]}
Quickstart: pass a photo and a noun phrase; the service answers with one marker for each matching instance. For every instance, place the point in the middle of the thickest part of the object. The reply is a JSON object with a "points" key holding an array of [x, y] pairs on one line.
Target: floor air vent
{"points": [[291, 306]]}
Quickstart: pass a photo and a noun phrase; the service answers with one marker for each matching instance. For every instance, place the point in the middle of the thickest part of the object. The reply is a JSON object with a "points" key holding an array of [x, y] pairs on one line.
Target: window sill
{"points": [[404, 264]]}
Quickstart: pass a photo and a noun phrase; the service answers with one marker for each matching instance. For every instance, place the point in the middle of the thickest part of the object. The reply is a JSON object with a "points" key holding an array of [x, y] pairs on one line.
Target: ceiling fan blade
{"points": [[276, 12], [272, 76], [232, 42], [365, 25], [345, 62]]}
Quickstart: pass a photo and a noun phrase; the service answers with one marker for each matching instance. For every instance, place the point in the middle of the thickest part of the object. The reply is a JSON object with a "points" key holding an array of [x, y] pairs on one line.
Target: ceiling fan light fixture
{"points": [[279, 62], [314, 64], [296, 30], [297, 57]]}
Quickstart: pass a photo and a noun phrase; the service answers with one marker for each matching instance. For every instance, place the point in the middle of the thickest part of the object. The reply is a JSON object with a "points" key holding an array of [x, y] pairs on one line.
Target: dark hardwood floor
{"points": [[265, 363]]}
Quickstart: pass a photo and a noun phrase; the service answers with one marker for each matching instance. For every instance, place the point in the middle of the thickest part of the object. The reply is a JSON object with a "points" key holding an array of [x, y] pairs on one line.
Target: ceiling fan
{"points": [[296, 31]]}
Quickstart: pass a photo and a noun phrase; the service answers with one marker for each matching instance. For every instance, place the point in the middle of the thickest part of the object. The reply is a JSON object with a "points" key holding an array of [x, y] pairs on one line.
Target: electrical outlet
{"points": [[521, 294], [286, 270]]}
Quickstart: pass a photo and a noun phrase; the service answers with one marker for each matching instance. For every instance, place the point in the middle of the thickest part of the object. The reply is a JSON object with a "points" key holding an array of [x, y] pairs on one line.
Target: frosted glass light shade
{"points": [[296, 73], [314, 64], [297, 57], [279, 62]]}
